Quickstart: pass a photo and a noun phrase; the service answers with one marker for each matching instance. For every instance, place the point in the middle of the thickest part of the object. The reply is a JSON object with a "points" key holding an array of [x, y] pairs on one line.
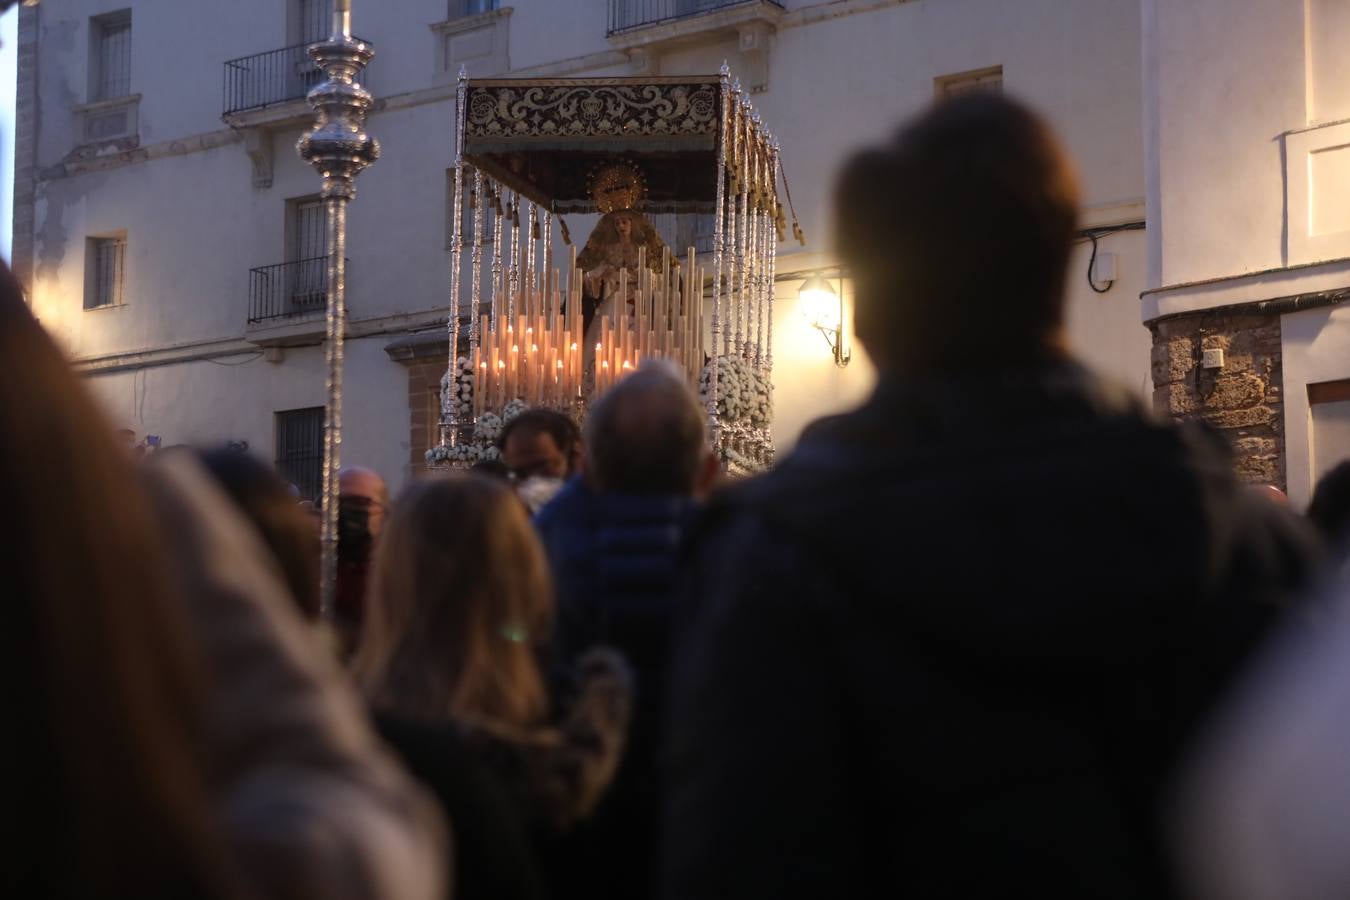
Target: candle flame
{"points": [[534, 348], [627, 364], [501, 364], [604, 364], [560, 363], [574, 345], [515, 348]]}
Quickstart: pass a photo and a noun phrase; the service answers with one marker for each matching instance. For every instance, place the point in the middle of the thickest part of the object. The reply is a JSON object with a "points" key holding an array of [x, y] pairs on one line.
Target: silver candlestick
{"points": [[339, 149]]}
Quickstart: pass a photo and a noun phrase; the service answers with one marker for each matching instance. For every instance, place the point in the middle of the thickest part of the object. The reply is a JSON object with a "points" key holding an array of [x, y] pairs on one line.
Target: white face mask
{"points": [[537, 490]]}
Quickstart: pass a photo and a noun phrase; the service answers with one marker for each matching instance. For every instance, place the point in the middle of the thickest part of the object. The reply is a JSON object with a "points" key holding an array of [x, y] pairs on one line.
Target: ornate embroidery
{"points": [[583, 111]]}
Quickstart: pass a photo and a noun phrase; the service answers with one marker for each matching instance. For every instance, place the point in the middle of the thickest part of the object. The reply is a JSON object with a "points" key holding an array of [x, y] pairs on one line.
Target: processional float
{"points": [[681, 176]]}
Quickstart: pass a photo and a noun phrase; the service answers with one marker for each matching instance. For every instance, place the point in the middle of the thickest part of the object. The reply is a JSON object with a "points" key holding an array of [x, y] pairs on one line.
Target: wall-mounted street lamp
{"points": [[823, 307]]}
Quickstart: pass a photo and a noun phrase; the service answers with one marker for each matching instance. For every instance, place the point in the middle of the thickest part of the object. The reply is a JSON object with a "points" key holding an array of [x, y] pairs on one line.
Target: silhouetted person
{"points": [[613, 537], [363, 500], [270, 506], [951, 646], [1329, 510], [110, 788]]}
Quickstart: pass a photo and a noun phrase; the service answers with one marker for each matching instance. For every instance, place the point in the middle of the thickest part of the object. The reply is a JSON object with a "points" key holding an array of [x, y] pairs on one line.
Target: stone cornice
{"points": [[238, 345], [1245, 291]]}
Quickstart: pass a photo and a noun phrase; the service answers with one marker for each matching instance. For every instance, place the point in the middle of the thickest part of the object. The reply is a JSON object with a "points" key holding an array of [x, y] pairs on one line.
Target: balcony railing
{"points": [[288, 290], [266, 79], [625, 14]]}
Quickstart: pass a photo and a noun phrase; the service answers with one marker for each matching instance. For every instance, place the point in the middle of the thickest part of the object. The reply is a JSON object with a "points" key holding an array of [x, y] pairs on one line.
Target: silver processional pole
{"points": [[339, 149]]}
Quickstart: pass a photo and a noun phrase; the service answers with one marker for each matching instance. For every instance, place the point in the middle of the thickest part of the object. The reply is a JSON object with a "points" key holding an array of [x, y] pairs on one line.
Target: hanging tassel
{"points": [[780, 224], [566, 235], [515, 214], [497, 202], [535, 230], [798, 233], [473, 198]]}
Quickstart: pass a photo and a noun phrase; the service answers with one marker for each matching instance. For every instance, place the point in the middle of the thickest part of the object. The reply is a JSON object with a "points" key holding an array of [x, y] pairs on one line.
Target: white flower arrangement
{"points": [[488, 428], [461, 453], [743, 394], [457, 390], [486, 432]]}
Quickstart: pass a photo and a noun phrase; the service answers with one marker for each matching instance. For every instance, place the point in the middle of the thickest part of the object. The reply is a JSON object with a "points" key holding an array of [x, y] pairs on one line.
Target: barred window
{"points": [[106, 260], [299, 439], [466, 223], [461, 8], [111, 69], [315, 20], [990, 79]]}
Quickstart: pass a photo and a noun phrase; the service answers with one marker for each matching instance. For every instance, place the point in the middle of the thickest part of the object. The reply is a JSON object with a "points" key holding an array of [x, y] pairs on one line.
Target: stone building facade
{"points": [[183, 162]]}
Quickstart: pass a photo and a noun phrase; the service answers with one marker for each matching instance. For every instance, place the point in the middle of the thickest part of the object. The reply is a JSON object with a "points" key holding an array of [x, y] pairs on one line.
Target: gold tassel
{"points": [[566, 235]]}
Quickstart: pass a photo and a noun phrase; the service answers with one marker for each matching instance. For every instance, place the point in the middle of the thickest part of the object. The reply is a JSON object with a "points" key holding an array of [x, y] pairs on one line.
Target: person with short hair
{"points": [[540, 443], [270, 505], [363, 500], [613, 537], [953, 644], [1329, 510]]}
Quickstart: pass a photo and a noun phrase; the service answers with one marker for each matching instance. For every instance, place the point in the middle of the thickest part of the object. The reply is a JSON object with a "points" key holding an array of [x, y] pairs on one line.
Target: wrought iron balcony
{"points": [[625, 14], [267, 79], [289, 290]]}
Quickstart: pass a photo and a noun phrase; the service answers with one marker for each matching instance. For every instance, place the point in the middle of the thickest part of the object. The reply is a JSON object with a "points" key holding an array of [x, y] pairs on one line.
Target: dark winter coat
{"points": [[512, 797], [615, 563], [952, 646]]}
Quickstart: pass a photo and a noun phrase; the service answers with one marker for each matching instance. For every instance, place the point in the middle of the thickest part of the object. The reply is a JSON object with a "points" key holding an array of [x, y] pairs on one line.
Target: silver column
{"points": [[339, 149]]}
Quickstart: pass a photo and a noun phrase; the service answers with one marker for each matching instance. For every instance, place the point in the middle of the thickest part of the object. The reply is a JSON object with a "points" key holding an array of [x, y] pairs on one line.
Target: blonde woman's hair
{"points": [[460, 601]]}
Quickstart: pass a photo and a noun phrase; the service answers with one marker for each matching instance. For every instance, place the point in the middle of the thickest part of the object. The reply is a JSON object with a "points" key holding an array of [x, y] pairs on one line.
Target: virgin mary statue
{"points": [[613, 246]]}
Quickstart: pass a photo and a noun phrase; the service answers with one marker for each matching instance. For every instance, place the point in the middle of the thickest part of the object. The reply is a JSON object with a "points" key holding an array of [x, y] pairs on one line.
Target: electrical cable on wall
{"points": [[1093, 235]]}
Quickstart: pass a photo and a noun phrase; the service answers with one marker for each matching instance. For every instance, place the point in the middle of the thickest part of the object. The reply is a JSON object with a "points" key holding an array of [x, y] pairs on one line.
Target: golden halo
{"points": [[617, 186]]}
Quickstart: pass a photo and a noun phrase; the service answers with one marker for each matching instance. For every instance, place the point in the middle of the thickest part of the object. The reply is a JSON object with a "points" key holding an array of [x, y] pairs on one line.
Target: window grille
{"points": [[461, 8], [316, 20], [300, 449], [112, 61], [466, 224], [308, 253], [107, 275]]}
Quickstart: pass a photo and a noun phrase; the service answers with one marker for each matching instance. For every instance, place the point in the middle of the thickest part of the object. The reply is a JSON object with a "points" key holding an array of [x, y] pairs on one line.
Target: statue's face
{"points": [[625, 226]]}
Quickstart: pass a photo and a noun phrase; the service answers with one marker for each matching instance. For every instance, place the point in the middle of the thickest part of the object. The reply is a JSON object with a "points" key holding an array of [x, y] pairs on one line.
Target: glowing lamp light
{"points": [[819, 303], [823, 308], [627, 365]]}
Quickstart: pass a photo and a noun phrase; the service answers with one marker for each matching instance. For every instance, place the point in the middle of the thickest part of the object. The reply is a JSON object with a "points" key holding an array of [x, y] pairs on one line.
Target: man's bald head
{"points": [[364, 492], [646, 435], [355, 481]]}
